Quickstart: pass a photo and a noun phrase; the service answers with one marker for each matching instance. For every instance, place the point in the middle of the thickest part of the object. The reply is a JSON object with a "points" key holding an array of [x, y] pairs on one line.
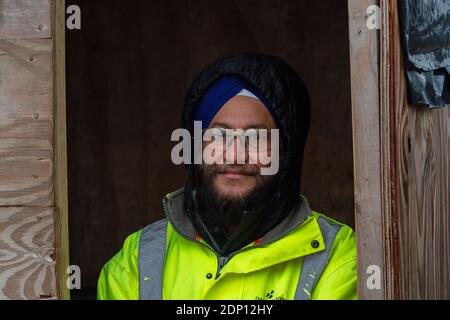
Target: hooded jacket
{"points": [[289, 103]]}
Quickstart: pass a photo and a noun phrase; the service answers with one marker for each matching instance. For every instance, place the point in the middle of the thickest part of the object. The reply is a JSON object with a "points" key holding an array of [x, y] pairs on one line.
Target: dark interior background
{"points": [[128, 70]]}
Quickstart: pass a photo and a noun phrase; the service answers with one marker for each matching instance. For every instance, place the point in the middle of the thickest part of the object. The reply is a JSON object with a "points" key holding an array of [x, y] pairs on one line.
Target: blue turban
{"points": [[219, 93]]}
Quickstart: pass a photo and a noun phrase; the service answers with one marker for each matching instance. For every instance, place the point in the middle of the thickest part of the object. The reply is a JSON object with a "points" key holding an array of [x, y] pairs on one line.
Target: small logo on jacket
{"points": [[271, 296]]}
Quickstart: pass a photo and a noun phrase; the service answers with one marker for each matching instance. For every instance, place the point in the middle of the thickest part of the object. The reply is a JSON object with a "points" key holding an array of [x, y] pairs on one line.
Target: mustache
{"points": [[247, 170]]}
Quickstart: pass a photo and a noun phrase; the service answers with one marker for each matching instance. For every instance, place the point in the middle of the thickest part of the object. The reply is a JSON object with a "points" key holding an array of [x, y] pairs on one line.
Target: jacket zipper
{"points": [[221, 261], [166, 211]]}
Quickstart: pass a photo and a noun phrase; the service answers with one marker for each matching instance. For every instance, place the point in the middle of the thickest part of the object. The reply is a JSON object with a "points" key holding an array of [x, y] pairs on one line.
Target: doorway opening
{"points": [[128, 70]]}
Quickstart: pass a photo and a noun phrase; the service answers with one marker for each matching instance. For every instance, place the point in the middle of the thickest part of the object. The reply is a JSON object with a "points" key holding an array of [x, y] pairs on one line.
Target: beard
{"points": [[225, 209]]}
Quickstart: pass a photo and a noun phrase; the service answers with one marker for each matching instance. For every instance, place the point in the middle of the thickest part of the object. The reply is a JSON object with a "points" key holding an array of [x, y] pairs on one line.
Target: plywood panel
{"points": [[27, 267], [27, 228], [25, 175], [26, 89], [25, 19], [26, 123]]}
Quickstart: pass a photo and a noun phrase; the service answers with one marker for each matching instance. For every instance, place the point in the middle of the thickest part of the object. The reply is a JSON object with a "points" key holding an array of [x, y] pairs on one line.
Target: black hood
{"points": [[280, 84]]}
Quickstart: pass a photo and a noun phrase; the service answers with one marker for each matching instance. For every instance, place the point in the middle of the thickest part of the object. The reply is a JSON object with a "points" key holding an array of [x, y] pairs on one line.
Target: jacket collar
{"points": [[280, 235]]}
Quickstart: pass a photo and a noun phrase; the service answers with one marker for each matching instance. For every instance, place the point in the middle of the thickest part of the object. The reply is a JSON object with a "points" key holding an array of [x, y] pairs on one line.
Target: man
{"points": [[233, 232]]}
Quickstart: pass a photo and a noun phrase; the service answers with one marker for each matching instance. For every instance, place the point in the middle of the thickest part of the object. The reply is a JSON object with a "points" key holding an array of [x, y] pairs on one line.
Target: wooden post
{"points": [[364, 62], [61, 192]]}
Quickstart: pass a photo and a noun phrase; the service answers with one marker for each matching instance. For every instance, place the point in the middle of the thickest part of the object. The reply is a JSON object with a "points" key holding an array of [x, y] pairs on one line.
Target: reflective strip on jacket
{"points": [[308, 256]]}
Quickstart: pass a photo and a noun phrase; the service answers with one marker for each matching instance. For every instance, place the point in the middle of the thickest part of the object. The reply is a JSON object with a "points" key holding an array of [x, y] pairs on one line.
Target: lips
{"points": [[234, 176], [235, 171], [237, 174]]}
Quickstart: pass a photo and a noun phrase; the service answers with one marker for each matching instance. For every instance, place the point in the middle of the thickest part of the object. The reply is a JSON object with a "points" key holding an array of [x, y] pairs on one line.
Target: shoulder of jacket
{"points": [[344, 230], [344, 245], [126, 259], [341, 269], [157, 226]]}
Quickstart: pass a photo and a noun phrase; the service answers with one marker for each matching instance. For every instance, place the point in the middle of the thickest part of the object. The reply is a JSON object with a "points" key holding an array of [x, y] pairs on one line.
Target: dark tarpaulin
{"points": [[426, 42]]}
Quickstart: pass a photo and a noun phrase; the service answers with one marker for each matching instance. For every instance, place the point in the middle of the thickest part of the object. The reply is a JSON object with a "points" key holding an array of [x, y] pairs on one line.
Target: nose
{"points": [[235, 152]]}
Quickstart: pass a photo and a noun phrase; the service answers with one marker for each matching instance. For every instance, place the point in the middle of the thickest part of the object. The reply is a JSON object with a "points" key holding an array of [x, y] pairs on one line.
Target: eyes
{"points": [[252, 139]]}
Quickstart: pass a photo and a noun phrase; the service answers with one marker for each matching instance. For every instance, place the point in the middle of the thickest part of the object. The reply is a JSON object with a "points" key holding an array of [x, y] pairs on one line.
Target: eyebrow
{"points": [[251, 126]]}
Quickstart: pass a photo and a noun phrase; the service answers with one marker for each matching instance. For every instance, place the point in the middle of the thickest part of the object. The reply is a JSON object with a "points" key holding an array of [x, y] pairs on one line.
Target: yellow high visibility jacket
{"points": [[307, 256]]}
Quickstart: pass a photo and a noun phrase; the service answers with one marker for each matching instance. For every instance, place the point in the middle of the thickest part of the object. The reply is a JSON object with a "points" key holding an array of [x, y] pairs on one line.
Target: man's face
{"points": [[236, 181]]}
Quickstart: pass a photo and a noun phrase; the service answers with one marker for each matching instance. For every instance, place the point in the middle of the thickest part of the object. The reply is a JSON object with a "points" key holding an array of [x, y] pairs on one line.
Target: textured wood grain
{"points": [[27, 269], [420, 186], [389, 120], [26, 89], [366, 146], [425, 227], [25, 19], [27, 254], [26, 123], [25, 172], [399, 142]]}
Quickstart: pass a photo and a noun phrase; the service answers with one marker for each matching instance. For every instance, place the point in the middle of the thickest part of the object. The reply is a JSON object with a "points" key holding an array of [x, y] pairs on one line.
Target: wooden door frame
{"points": [[60, 150], [371, 58], [378, 90]]}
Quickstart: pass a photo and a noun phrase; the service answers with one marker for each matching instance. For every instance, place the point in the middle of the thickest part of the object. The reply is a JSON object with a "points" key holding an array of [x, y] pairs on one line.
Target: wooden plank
{"points": [[61, 193], [366, 146], [26, 124], [25, 19], [26, 89], [25, 173], [389, 143], [401, 141], [27, 268], [425, 225], [27, 254]]}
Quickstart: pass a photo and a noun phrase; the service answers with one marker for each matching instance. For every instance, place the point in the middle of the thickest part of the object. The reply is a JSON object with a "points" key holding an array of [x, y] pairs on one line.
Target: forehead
{"points": [[243, 112]]}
